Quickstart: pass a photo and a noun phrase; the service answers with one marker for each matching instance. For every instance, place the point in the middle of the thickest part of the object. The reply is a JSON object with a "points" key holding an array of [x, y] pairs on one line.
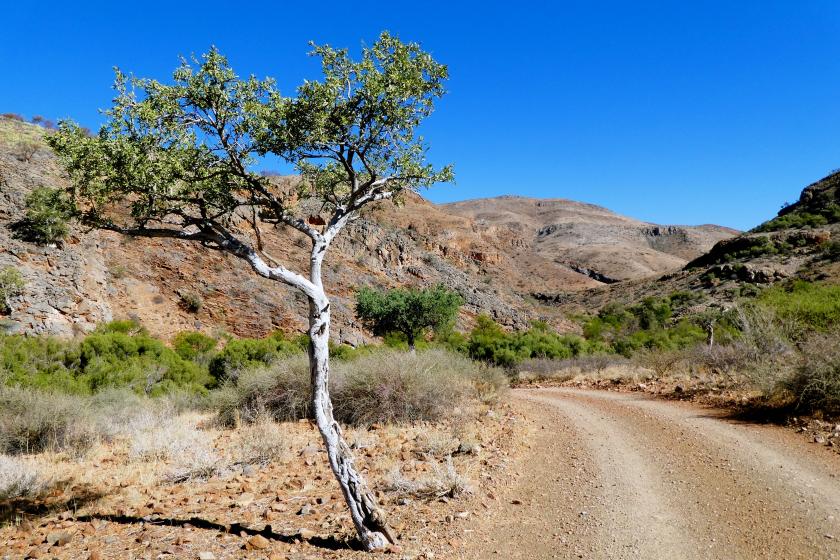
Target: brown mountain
{"points": [[501, 254]]}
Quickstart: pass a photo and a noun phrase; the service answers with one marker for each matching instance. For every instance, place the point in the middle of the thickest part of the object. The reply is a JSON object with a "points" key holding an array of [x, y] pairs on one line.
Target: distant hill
{"points": [[801, 242], [507, 257], [590, 239]]}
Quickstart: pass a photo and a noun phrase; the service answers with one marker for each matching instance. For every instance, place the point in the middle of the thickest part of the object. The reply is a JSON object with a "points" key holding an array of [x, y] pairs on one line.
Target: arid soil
{"points": [[618, 475], [562, 473], [108, 505]]}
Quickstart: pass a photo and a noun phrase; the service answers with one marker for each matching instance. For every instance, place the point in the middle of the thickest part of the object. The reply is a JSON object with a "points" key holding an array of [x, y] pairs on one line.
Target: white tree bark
{"points": [[368, 517]]}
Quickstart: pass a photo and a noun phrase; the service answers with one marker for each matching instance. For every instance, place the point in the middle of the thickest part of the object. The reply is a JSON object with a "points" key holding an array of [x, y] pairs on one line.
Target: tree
{"points": [[407, 311], [177, 161]]}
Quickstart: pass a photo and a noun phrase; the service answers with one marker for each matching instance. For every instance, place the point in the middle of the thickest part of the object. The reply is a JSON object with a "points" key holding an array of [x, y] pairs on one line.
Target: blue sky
{"points": [[673, 112]]}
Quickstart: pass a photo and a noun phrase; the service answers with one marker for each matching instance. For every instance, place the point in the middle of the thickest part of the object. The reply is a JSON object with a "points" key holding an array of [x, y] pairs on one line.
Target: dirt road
{"points": [[616, 475]]}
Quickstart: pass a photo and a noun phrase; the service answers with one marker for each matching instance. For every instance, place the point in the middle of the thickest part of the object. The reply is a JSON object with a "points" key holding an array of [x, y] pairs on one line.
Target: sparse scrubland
{"points": [[118, 447], [775, 351]]}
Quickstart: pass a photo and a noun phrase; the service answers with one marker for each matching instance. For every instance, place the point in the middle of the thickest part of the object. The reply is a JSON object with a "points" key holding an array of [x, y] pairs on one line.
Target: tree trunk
{"points": [[411, 348], [368, 517]]}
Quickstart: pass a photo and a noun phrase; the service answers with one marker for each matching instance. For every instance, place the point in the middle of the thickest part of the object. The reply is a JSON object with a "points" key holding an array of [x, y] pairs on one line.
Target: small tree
{"points": [[176, 161], [11, 285], [408, 311]]}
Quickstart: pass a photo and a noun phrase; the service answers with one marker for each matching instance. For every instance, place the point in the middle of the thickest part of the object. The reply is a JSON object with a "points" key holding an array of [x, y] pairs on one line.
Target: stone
{"points": [[58, 538], [258, 542], [205, 555], [305, 510], [305, 533]]}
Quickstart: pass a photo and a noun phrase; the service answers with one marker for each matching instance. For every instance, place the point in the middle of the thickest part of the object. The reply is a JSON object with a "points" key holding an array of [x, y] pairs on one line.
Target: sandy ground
{"points": [[617, 475]]}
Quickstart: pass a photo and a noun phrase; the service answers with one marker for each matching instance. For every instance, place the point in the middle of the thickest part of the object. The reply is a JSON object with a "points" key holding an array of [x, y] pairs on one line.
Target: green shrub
{"points": [[11, 285], [240, 354], [118, 354], [805, 305], [194, 346], [830, 213], [48, 211]]}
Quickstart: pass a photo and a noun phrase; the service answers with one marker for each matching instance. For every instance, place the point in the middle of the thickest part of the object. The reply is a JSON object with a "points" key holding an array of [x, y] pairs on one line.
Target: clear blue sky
{"points": [[673, 112]]}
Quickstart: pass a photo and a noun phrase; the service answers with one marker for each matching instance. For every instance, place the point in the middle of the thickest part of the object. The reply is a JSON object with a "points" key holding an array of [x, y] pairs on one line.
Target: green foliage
{"points": [[194, 346], [47, 213], [11, 285], [180, 156], [829, 214], [240, 354], [408, 311], [489, 342], [118, 354], [806, 305], [831, 251]]}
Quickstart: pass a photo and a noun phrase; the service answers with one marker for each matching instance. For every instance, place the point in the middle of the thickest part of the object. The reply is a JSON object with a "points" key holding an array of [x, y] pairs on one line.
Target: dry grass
{"points": [[20, 479], [261, 442], [442, 481]]}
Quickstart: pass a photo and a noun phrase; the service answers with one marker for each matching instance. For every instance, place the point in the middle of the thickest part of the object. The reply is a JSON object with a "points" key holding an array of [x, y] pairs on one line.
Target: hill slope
{"points": [[496, 254], [590, 239]]}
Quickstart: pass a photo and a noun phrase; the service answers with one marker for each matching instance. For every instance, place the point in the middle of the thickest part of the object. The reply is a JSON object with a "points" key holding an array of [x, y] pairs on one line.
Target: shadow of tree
{"points": [[39, 506], [328, 543]]}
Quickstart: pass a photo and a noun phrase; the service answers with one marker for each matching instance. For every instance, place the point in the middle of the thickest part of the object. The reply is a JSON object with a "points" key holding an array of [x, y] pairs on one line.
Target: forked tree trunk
{"points": [[368, 517]]}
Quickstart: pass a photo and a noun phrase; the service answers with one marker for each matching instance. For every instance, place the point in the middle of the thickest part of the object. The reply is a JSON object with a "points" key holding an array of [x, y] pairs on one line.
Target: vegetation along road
{"points": [[621, 475]]}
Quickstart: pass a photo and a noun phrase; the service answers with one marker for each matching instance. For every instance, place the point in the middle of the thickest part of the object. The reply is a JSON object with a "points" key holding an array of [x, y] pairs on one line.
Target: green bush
{"points": [[118, 354], [11, 285], [829, 214], [805, 305], [48, 211], [194, 346], [489, 342], [240, 354]]}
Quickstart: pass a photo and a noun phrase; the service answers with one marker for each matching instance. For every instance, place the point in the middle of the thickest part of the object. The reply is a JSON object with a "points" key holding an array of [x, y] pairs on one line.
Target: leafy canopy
{"points": [[180, 157], [406, 310]]}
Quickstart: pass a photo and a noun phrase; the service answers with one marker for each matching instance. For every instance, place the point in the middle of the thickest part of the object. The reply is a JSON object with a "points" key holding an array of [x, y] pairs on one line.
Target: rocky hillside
{"points": [[801, 242], [589, 239], [503, 255]]}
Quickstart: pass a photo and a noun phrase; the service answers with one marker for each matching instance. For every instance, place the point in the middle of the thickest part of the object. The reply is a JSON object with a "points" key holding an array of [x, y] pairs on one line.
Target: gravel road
{"points": [[618, 475]]}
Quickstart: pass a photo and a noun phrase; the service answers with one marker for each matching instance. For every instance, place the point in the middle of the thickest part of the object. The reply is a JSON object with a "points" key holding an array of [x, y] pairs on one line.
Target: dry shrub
{"points": [[281, 390], [261, 443], [443, 481], [388, 386], [436, 443], [662, 362], [19, 479], [815, 381], [393, 387], [196, 464], [157, 435], [32, 421], [546, 369]]}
